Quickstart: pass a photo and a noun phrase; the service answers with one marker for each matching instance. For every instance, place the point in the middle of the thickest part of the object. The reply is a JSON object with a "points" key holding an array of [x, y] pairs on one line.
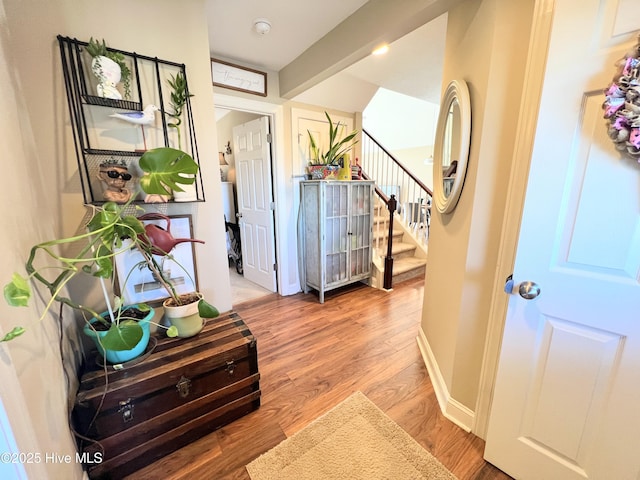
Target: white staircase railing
{"points": [[398, 188]]}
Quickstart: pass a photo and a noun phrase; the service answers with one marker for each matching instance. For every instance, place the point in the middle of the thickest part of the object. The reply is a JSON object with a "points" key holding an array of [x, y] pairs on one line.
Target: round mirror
{"points": [[451, 150]]}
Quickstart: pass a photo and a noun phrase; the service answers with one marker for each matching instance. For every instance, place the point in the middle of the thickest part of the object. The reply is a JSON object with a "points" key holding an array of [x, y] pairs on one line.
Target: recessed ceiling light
{"points": [[381, 50], [262, 26]]}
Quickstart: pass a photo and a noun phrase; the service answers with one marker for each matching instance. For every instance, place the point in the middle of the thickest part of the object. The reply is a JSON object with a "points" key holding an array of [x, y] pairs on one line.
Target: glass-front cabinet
{"points": [[335, 233]]}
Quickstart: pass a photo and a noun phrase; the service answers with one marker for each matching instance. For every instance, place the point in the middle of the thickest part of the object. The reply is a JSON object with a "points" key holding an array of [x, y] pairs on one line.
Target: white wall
{"points": [[486, 42], [405, 127], [398, 121], [419, 160], [43, 193]]}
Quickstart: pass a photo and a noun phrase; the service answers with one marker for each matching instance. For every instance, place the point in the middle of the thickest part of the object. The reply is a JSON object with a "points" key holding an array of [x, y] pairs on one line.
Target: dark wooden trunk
{"points": [[181, 391]]}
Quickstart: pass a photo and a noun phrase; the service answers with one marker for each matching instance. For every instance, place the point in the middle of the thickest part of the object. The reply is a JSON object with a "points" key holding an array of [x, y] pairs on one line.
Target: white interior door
{"points": [[566, 397], [255, 202]]}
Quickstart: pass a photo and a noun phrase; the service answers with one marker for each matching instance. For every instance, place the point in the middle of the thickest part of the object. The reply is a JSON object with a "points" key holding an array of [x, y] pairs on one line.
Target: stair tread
{"points": [[405, 264], [400, 247], [384, 233]]}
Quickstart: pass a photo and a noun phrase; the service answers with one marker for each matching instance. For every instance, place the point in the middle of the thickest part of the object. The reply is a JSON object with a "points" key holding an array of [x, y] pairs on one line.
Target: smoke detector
{"points": [[262, 26]]}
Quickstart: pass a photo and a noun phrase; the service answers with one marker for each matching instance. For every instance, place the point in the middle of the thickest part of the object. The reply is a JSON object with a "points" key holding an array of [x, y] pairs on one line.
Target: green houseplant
{"points": [[179, 96], [99, 52], [107, 229], [337, 146]]}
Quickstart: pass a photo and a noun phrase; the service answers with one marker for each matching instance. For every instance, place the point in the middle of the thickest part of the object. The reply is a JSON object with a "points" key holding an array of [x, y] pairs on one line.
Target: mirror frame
{"points": [[457, 93]]}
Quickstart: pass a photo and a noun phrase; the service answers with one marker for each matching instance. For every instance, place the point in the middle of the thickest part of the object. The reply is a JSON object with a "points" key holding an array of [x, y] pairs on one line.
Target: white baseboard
{"points": [[452, 409]]}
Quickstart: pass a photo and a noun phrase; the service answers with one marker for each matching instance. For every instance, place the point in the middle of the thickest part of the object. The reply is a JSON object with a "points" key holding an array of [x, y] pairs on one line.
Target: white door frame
{"points": [[287, 284], [533, 81], [16, 428]]}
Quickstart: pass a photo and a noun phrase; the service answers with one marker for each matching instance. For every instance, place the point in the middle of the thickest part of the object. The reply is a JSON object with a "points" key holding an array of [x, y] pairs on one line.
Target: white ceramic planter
{"points": [[188, 194], [185, 318], [108, 74]]}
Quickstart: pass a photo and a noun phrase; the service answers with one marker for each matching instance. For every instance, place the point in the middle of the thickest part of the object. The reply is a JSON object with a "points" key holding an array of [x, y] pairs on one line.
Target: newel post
{"points": [[388, 260]]}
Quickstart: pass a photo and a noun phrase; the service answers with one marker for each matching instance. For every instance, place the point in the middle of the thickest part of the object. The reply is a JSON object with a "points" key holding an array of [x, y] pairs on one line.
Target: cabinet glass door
{"points": [[360, 230], [336, 232]]}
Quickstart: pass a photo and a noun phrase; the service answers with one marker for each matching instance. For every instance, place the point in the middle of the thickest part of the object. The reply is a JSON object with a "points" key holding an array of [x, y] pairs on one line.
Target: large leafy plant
{"points": [[338, 144], [106, 231], [166, 169]]}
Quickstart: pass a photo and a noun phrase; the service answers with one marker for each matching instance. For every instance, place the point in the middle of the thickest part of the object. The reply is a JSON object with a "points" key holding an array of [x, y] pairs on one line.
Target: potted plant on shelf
{"points": [[110, 68], [179, 96], [110, 231], [166, 171], [326, 164]]}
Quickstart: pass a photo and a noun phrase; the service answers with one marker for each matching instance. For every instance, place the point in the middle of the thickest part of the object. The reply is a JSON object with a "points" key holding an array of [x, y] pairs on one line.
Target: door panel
{"points": [[253, 167], [568, 381]]}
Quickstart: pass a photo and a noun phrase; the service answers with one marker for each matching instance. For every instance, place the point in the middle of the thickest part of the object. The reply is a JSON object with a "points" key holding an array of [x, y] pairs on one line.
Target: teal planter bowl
{"points": [[121, 356]]}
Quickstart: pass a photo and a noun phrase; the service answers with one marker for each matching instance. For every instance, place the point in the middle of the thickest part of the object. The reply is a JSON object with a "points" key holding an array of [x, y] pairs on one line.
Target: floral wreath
{"points": [[622, 106]]}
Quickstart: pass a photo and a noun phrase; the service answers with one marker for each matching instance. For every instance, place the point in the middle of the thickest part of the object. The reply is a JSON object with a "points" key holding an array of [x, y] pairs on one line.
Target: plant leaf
{"points": [[124, 336], [172, 331], [206, 310], [165, 168], [130, 226], [143, 307], [117, 302], [17, 293], [16, 332], [103, 263]]}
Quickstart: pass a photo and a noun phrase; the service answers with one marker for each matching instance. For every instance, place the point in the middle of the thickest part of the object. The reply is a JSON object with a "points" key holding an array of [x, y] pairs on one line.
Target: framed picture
{"points": [[236, 77], [136, 283]]}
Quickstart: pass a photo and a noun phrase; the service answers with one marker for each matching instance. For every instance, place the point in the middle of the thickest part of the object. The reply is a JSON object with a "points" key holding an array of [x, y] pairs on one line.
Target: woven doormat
{"points": [[353, 441]]}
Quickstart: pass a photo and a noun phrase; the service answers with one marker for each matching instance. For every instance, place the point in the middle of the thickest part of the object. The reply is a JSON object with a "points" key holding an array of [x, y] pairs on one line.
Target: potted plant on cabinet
{"points": [[107, 229], [326, 164]]}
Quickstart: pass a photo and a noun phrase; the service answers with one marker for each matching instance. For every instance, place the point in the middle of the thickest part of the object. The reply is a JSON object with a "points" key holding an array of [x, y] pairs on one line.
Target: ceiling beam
{"points": [[376, 22]]}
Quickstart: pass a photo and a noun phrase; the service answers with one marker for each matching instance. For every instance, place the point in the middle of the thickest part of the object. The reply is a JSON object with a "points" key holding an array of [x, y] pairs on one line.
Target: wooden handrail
{"points": [[399, 163], [451, 169]]}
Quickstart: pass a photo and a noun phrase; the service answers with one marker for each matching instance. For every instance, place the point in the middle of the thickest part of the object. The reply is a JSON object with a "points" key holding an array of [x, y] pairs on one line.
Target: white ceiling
{"points": [[413, 65], [295, 25]]}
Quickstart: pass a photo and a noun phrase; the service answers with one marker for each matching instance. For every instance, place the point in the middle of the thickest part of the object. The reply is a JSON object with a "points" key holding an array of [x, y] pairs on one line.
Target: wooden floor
{"points": [[313, 356]]}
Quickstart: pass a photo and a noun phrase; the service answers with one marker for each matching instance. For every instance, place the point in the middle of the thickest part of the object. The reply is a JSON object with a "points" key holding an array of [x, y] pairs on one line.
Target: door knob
{"points": [[529, 290], [238, 215]]}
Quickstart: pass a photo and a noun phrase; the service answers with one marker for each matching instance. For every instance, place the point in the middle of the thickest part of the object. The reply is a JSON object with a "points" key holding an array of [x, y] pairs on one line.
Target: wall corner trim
{"points": [[450, 408]]}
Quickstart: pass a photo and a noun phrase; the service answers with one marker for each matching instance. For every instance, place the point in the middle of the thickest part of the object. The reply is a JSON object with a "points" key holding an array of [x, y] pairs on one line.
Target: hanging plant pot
{"points": [[121, 356], [108, 74]]}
